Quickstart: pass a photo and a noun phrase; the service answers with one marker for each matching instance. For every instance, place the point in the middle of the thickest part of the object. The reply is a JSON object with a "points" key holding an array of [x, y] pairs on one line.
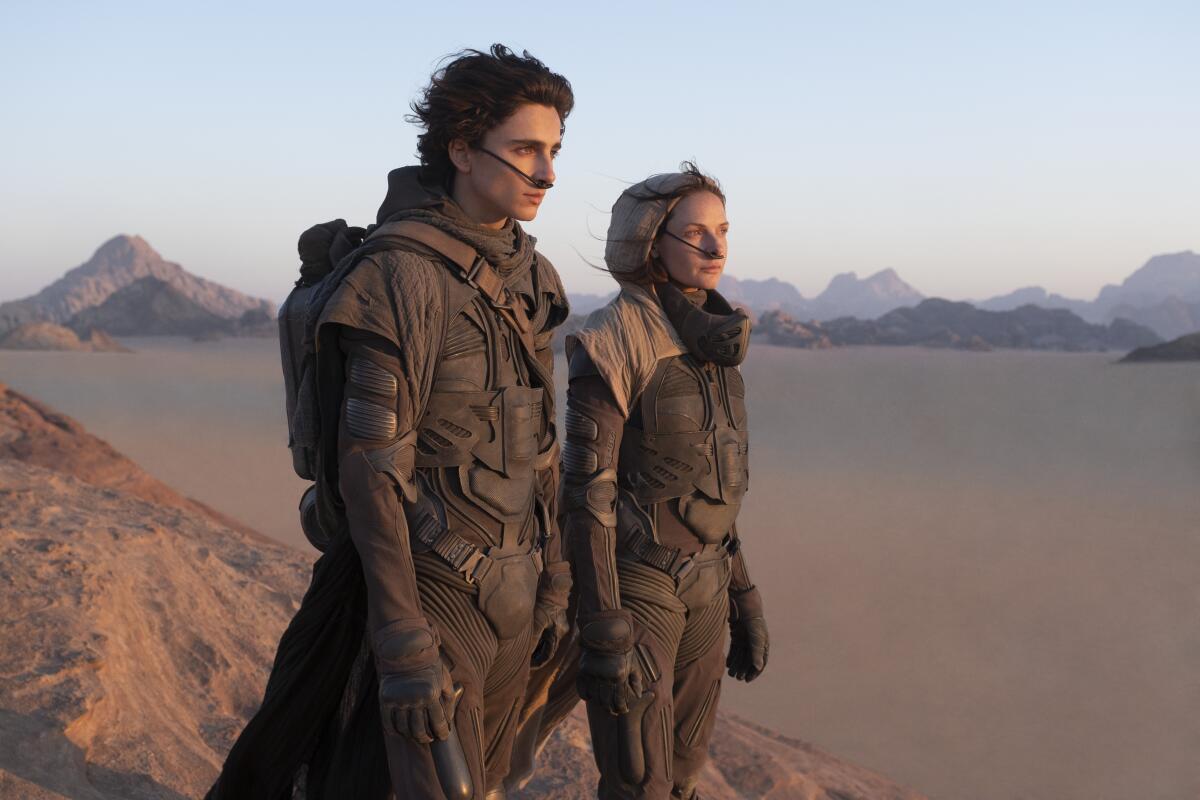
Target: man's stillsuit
{"points": [[446, 457]]}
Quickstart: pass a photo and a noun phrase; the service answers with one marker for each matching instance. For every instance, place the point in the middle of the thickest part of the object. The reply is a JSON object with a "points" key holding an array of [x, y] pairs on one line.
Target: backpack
{"points": [[321, 247]]}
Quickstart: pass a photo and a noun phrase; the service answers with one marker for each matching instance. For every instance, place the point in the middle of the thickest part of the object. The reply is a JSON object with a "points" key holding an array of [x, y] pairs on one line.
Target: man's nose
{"points": [[545, 169]]}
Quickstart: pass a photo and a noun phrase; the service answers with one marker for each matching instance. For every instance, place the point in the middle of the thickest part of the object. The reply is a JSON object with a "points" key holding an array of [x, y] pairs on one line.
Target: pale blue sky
{"points": [[973, 147]]}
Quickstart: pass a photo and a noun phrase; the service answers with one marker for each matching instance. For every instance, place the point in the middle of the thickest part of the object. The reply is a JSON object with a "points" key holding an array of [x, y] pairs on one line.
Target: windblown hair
{"points": [[652, 269], [474, 92]]}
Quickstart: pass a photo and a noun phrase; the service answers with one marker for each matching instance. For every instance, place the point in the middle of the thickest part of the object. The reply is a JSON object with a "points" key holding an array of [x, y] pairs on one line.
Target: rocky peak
{"points": [[117, 263], [1163, 276]]}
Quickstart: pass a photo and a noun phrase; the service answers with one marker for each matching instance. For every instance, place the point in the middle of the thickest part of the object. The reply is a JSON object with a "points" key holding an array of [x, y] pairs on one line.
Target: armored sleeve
{"points": [[589, 484], [375, 458]]}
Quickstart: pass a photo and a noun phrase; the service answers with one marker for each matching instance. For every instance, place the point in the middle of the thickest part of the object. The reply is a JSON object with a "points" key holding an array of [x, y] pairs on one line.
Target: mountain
{"points": [[119, 262], [1037, 296], [1185, 348], [1169, 318], [942, 323], [1162, 277], [139, 630], [761, 295], [846, 296], [150, 307], [849, 296]]}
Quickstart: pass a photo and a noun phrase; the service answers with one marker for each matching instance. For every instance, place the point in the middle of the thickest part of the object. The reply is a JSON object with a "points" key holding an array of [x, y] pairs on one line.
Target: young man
{"points": [[404, 670]]}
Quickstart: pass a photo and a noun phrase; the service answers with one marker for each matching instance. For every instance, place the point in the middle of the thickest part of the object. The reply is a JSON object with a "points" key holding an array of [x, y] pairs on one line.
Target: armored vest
{"points": [[477, 445], [686, 441]]}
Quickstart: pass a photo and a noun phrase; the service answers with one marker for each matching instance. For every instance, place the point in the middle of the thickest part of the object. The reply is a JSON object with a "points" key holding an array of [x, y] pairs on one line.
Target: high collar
{"points": [[413, 195], [713, 331]]}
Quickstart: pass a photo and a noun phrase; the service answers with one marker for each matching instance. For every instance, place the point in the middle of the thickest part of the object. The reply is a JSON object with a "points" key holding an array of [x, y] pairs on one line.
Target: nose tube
{"points": [[713, 254], [536, 183]]}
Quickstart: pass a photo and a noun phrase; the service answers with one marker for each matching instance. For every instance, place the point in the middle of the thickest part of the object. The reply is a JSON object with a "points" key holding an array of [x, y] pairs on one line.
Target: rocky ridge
{"points": [[48, 336], [139, 631], [1185, 348]]}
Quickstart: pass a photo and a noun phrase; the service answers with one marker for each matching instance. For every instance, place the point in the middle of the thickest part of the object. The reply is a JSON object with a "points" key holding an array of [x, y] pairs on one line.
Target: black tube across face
{"points": [[713, 254], [532, 181]]}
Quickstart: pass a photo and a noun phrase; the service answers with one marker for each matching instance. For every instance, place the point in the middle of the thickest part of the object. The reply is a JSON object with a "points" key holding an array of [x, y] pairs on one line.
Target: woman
{"points": [[654, 469]]}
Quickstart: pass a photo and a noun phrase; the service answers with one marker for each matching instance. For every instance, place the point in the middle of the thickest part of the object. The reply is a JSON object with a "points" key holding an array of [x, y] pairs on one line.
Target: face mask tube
{"points": [[532, 181]]}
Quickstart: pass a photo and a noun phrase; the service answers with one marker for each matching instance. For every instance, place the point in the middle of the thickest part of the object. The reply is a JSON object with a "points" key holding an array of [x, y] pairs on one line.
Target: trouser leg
{"points": [[550, 695], [697, 690], [504, 695], [656, 727]]}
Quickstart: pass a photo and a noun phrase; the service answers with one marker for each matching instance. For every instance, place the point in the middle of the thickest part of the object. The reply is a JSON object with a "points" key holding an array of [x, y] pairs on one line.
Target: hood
{"points": [[413, 195], [636, 217]]}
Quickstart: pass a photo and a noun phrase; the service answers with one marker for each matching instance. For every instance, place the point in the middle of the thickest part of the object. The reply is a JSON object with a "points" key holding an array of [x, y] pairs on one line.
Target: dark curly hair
{"points": [[474, 92]]}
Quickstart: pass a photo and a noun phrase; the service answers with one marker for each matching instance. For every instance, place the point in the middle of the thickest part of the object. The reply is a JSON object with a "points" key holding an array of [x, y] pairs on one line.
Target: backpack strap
{"points": [[472, 268]]}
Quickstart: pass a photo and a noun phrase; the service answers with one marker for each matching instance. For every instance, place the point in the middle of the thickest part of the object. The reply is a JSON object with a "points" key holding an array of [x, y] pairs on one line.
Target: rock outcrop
{"points": [[48, 336], [139, 630], [1185, 348]]}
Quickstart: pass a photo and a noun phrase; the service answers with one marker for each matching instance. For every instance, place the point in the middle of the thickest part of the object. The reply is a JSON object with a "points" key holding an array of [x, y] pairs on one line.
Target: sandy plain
{"points": [[982, 570]]}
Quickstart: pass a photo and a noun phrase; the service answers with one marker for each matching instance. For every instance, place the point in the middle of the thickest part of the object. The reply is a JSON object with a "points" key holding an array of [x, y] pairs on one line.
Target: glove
{"points": [[749, 643], [550, 614], [608, 675], [415, 688]]}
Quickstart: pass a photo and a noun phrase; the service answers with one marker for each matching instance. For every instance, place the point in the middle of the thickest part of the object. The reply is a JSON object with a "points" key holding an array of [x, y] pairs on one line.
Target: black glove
{"points": [[415, 688], [550, 621], [608, 674], [414, 704], [749, 643]]}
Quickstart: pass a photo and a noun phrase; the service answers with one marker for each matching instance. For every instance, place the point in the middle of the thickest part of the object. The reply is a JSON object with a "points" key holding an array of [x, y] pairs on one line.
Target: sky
{"points": [[973, 147]]}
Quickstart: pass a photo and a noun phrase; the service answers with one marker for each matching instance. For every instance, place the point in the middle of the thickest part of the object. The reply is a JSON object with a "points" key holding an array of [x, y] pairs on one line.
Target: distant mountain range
{"points": [[942, 323], [127, 289], [1163, 295]]}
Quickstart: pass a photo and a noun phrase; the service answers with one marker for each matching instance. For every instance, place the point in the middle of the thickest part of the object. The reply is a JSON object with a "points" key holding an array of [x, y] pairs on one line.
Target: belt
{"points": [[672, 560], [466, 558]]}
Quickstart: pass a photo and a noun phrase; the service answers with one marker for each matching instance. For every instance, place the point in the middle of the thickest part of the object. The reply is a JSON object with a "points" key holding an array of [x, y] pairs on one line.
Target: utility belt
{"points": [[463, 556], [506, 580], [635, 535], [672, 560]]}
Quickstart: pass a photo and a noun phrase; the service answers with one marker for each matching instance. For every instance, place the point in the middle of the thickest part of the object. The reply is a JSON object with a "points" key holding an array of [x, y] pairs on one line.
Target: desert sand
{"points": [[139, 629], [981, 570]]}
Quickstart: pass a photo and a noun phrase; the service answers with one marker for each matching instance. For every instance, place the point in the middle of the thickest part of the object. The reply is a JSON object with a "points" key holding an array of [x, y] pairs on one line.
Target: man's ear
{"points": [[460, 155]]}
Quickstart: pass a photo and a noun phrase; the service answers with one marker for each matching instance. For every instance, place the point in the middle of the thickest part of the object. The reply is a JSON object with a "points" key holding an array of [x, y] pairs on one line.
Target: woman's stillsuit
{"points": [[650, 491]]}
